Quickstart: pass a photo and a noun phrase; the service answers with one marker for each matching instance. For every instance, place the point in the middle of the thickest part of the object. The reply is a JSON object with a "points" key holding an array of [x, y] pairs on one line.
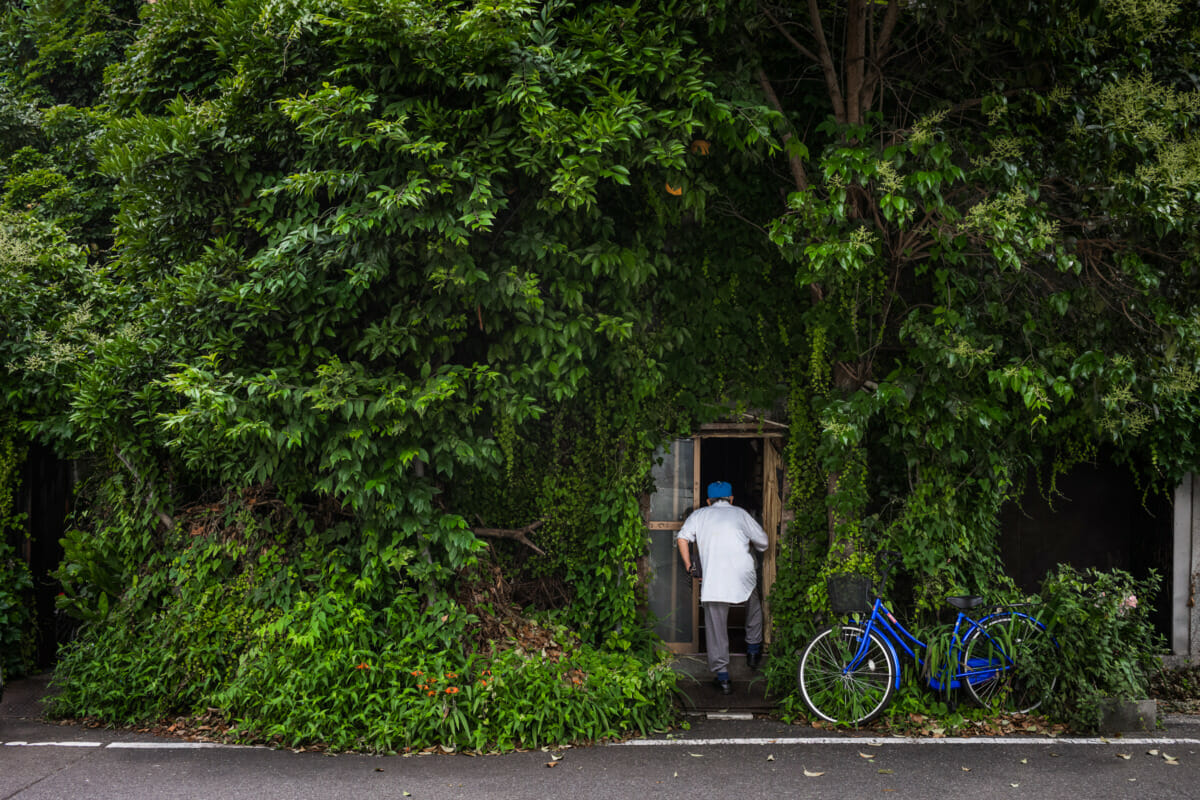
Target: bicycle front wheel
{"points": [[840, 684], [988, 663]]}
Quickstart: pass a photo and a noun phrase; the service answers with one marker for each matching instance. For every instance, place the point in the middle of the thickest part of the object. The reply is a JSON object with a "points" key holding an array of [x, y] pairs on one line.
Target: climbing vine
{"points": [[796, 594], [16, 583], [581, 473]]}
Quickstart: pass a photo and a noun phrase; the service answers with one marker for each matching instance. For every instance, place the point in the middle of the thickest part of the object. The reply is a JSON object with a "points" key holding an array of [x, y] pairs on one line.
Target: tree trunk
{"points": [[851, 91]]}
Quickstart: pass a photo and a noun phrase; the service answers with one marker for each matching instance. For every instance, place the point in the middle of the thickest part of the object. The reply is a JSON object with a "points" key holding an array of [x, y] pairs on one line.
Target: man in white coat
{"points": [[724, 534]]}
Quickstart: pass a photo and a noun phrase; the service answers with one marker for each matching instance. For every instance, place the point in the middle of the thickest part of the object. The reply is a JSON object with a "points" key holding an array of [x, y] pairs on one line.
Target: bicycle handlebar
{"points": [[884, 561]]}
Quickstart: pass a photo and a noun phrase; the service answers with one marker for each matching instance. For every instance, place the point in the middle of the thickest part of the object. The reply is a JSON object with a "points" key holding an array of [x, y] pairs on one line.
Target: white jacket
{"points": [[723, 534]]}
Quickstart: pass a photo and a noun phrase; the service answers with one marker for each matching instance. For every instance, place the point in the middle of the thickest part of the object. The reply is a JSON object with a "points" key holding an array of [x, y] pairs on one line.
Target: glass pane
{"points": [[670, 590], [672, 474]]}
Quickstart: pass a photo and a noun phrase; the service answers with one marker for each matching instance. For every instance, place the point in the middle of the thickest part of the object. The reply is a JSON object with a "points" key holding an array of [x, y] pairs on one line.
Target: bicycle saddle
{"points": [[965, 601]]}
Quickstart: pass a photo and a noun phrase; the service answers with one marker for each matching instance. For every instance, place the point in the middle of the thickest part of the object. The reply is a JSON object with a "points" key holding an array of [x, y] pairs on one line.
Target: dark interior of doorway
{"points": [[739, 461], [45, 501], [1098, 517]]}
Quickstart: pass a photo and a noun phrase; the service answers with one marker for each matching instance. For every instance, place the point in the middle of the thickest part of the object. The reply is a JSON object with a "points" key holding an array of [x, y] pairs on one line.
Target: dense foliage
{"points": [[1103, 645], [332, 293], [286, 636], [353, 249], [996, 222]]}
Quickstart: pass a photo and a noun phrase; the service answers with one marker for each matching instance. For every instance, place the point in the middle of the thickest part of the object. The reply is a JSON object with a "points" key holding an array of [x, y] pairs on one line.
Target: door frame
{"points": [[771, 435]]}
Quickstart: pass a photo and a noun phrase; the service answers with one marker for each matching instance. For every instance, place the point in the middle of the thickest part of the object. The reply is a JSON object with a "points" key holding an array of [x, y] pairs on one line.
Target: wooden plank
{"points": [[744, 434], [754, 424], [772, 515]]}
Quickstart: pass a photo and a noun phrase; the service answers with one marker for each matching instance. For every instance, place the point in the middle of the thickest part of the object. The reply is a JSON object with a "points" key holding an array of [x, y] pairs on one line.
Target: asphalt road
{"points": [[725, 759]]}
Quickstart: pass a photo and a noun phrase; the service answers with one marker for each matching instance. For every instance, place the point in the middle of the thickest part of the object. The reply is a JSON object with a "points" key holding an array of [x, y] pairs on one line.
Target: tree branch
{"points": [[826, 62], [794, 162], [793, 41], [518, 534], [856, 57], [151, 499], [879, 54]]}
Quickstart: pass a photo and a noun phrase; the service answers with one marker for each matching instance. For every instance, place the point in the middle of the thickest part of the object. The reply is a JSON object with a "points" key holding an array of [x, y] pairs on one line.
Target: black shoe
{"points": [[753, 660], [724, 687]]}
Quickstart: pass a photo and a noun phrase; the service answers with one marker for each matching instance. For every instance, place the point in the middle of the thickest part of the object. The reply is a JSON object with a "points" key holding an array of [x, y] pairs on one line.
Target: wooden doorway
{"points": [[749, 458]]}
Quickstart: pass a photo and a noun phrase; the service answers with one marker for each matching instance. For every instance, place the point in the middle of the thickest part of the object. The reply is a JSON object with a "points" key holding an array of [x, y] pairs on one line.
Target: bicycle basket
{"points": [[849, 594]]}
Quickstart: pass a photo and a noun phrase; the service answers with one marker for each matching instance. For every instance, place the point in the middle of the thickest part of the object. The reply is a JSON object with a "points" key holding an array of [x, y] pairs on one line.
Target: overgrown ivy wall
{"points": [[319, 286], [304, 631]]}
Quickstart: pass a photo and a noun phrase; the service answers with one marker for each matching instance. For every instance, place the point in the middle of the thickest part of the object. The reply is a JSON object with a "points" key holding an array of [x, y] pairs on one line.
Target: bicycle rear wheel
{"points": [[990, 653], [837, 686]]}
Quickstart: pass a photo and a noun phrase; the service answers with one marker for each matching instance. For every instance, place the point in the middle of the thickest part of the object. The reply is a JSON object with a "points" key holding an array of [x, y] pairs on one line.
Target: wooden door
{"points": [[672, 596], [772, 518]]}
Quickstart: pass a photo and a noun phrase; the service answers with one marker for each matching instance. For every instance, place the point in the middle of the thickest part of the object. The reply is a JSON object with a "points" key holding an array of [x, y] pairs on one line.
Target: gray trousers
{"points": [[716, 626]]}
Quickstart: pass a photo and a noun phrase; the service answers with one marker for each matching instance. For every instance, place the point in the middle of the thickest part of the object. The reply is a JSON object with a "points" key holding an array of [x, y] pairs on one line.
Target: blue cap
{"points": [[719, 489]]}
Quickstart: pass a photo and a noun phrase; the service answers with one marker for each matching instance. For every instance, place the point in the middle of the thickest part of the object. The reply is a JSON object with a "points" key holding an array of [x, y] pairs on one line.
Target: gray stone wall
{"points": [[1185, 622]]}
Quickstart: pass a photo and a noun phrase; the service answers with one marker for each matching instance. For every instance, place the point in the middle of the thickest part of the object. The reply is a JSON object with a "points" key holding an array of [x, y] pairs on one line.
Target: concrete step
{"points": [[697, 693]]}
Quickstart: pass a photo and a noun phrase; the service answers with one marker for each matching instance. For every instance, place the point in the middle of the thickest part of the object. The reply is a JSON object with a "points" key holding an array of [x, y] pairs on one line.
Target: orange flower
{"points": [[422, 686], [416, 673], [363, 665], [452, 690], [451, 674], [430, 694]]}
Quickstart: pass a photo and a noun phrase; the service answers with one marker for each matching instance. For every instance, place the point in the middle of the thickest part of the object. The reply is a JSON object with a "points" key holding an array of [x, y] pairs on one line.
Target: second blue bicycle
{"points": [[848, 673]]}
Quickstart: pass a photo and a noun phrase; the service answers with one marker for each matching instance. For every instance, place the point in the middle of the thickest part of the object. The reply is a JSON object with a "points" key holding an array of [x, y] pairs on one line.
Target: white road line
{"points": [[167, 745], [53, 744], [871, 741], [875, 741], [126, 745]]}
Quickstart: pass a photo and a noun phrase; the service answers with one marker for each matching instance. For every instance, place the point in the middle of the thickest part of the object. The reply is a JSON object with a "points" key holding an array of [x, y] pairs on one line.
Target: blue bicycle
{"points": [[849, 672]]}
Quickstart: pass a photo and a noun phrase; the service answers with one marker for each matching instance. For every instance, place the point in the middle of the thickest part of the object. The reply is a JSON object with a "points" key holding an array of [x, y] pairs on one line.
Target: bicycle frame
{"points": [[883, 622]]}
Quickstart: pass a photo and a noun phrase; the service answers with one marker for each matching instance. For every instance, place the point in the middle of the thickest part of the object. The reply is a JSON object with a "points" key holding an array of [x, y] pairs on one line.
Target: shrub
{"points": [[16, 617], [291, 644], [1104, 644], [332, 672], [16, 584]]}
